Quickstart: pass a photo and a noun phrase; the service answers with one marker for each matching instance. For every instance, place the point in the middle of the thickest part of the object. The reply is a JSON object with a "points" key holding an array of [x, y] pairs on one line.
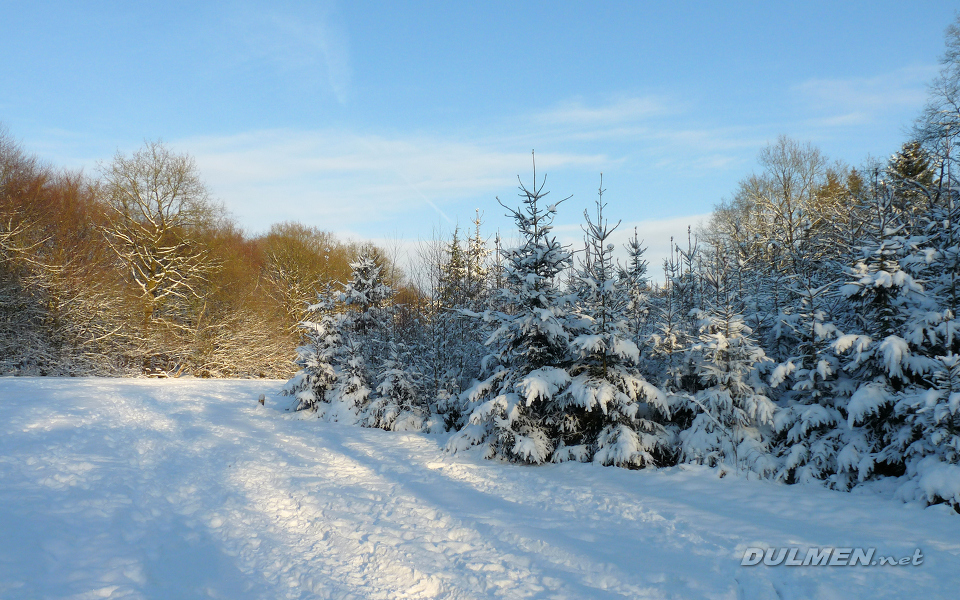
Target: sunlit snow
{"points": [[192, 489]]}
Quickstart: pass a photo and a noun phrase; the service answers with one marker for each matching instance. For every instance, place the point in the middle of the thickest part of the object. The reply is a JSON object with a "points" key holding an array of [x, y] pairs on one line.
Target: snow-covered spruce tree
{"points": [[921, 433], [733, 423], [675, 311], [513, 412], [478, 272], [366, 296], [674, 322], [449, 330], [452, 357], [338, 367], [667, 339], [633, 278], [319, 357], [810, 427], [812, 389], [910, 175], [928, 438], [887, 300], [398, 403], [471, 294], [368, 324], [924, 434], [609, 413], [810, 386]]}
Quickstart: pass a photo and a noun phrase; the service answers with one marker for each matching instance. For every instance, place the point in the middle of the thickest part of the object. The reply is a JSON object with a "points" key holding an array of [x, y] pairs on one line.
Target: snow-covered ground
{"points": [[190, 489]]}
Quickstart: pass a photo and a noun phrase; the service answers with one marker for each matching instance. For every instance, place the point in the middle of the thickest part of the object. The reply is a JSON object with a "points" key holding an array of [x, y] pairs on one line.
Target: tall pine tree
{"points": [[513, 412]]}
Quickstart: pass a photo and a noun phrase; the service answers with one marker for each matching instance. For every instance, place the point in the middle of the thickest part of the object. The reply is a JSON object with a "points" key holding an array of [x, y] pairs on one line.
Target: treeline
{"points": [[139, 271], [809, 333]]}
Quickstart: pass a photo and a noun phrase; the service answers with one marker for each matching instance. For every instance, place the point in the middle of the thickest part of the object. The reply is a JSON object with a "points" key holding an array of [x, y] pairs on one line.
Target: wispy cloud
{"points": [[621, 110], [651, 126], [315, 45], [857, 100], [709, 139], [851, 119], [341, 179], [345, 180]]}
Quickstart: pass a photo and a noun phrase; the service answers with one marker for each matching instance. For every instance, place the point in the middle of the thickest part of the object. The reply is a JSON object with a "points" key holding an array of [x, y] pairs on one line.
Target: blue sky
{"points": [[387, 121]]}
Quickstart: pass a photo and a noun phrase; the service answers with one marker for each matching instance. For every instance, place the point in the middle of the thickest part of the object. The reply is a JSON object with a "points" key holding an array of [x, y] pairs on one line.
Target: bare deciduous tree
{"points": [[160, 204]]}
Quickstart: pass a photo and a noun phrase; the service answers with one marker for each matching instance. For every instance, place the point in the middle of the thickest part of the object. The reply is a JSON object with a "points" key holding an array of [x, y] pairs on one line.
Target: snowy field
{"points": [[190, 489]]}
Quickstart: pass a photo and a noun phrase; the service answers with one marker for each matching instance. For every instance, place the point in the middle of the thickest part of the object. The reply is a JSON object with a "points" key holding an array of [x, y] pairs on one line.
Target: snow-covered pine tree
{"points": [[811, 428], [454, 356], [475, 296], [910, 175], [674, 324], [319, 357], [448, 329], [347, 343], [453, 273], [921, 433], [633, 278], [513, 411], [350, 395], [929, 437], [733, 423], [609, 414], [366, 296], [925, 433], [478, 272], [398, 404], [886, 298], [368, 324]]}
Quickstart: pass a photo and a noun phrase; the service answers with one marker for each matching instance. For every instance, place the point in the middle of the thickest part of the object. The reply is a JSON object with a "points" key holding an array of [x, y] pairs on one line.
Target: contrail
{"points": [[411, 185]]}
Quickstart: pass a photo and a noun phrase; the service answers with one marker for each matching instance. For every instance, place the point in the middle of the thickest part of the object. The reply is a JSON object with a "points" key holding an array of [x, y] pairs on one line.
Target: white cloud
{"points": [[652, 126], [341, 179], [622, 110], [861, 99], [300, 44], [345, 180], [851, 119]]}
